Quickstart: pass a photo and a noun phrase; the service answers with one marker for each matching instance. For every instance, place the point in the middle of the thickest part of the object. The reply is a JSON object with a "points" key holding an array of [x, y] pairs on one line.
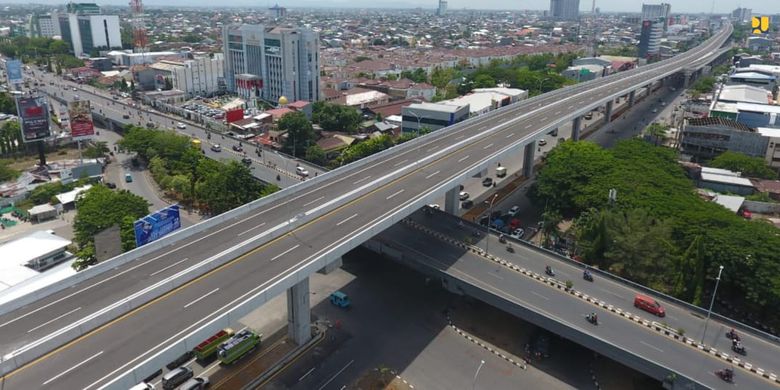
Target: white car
{"points": [[542, 142], [216, 148], [518, 233], [463, 195], [181, 126], [302, 171], [513, 211]]}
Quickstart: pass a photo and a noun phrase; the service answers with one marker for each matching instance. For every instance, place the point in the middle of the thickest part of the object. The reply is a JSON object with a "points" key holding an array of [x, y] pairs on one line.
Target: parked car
{"points": [[518, 233], [463, 195], [513, 211], [125, 116], [467, 204], [197, 383], [542, 142], [487, 182], [110, 185]]}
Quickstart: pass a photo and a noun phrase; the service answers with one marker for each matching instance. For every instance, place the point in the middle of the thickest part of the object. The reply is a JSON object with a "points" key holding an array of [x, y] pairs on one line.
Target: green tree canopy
{"points": [[335, 117], [749, 166], [300, 133], [228, 187]]}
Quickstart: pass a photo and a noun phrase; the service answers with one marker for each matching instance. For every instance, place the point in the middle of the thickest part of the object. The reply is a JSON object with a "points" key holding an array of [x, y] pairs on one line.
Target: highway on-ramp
{"points": [[93, 360]]}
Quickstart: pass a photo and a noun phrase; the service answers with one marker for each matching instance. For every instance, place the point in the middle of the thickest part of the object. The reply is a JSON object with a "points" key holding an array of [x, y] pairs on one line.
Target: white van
{"points": [[142, 386], [302, 171], [500, 171]]}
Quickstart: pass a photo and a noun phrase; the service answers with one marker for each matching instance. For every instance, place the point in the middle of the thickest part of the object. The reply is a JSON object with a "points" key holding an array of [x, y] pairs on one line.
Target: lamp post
{"points": [[712, 301], [418, 128], [474, 383], [490, 214]]}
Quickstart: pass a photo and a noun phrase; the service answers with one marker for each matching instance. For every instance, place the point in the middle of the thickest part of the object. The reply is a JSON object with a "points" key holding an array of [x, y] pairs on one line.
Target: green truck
{"points": [[209, 346], [238, 346]]}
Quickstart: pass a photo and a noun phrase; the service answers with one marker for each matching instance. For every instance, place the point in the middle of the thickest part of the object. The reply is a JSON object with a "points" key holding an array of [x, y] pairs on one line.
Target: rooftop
{"points": [[744, 93], [733, 180], [452, 108], [14, 255]]}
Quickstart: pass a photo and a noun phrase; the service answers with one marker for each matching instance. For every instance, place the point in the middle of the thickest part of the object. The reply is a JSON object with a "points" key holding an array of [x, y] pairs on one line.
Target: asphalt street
{"points": [[125, 342], [566, 308], [266, 166]]}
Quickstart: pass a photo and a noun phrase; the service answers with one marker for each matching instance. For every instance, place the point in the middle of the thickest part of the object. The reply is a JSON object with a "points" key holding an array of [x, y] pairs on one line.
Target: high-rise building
{"points": [[49, 25], [655, 11], [650, 38], [279, 61], [278, 12], [86, 29], [565, 9], [741, 15], [199, 76], [442, 8]]}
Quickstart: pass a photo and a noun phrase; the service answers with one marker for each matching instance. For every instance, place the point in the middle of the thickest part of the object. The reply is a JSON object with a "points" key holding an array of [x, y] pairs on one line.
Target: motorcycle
{"points": [[737, 347], [510, 249], [725, 374], [549, 271], [502, 239], [587, 276], [593, 319], [732, 335]]}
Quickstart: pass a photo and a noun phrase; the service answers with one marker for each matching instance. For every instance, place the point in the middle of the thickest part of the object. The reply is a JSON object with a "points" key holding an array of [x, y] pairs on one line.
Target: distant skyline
{"points": [[678, 6]]}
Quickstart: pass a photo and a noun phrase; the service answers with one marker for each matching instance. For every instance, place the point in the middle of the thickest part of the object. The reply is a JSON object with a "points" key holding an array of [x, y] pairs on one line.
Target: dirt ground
{"points": [[27, 162], [379, 379]]}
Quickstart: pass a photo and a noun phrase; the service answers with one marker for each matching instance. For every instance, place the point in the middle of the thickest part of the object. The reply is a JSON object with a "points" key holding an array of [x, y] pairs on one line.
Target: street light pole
{"points": [[490, 214], [474, 383], [712, 301]]}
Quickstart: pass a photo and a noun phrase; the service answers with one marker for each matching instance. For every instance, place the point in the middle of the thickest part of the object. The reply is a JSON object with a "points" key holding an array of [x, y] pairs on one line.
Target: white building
{"points": [[86, 29], [565, 9], [26, 257], [484, 100], [49, 25], [128, 58], [200, 76], [432, 116], [442, 8], [656, 11]]}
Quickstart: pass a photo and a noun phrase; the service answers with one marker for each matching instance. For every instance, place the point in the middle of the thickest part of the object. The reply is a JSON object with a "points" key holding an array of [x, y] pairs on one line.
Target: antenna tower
{"points": [[139, 26]]}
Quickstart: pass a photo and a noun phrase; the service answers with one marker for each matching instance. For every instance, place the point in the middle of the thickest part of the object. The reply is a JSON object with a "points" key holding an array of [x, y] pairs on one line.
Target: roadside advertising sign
{"points": [[33, 118], [156, 225], [13, 68], [80, 114]]}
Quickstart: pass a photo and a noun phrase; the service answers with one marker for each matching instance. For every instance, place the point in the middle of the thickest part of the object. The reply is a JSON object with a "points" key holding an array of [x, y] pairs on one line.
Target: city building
{"points": [[87, 30], [484, 100], [26, 257], [744, 93], [759, 44], [772, 155], [706, 138], [656, 11], [203, 76], [750, 114], [442, 8], [725, 181], [565, 9], [650, 38], [742, 15], [432, 116], [128, 58], [286, 60], [49, 25], [278, 12], [586, 72]]}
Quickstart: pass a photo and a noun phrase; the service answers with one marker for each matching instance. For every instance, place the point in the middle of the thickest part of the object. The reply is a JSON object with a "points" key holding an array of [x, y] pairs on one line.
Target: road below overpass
{"points": [[505, 287], [355, 199]]}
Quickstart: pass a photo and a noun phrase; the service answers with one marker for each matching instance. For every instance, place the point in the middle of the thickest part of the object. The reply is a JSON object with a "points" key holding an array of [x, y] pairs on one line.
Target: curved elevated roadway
{"points": [[335, 212]]}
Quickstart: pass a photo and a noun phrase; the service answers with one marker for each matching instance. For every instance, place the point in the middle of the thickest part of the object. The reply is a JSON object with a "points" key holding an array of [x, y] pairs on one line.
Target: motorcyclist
{"points": [[548, 270], [586, 274]]}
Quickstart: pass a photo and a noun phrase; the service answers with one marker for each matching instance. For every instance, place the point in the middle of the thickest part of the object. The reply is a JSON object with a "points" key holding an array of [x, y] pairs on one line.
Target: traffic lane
{"points": [[761, 352], [568, 309], [530, 119]]}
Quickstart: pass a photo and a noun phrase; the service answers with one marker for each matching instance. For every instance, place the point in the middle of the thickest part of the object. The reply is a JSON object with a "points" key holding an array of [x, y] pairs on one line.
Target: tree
{"points": [[418, 75], [7, 173], [232, 186], [441, 77], [98, 209], [484, 81], [98, 150], [658, 132], [316, 155], [300, 133], [334, 117], [749, 166]]}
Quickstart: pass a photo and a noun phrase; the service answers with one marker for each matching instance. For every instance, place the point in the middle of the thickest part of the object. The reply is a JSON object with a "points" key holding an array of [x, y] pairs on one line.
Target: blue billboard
{"points": [[156, 225], [13, 68]]}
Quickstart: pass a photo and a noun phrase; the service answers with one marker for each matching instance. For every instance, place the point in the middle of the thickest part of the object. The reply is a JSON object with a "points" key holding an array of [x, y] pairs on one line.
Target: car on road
{"points": [[649, 305], [487, 182], [513, 211], [110, 185], [238, 148], [589, 115], [216, 148], [463, 195], [128, 178], [301, 171], [181, 126], [467, 204], [247, 161], [197, 383], [126, 116], [75, 89], [542, 142]]}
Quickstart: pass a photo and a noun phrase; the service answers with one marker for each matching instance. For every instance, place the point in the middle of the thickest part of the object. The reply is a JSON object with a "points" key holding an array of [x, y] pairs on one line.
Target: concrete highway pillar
{"points": [[332, 266], [528, 159], [576, 125], [608, 112], [451, 201], [631, 98], [299, 312]]}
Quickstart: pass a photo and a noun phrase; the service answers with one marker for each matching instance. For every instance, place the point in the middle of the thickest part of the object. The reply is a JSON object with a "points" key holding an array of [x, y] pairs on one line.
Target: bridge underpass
{"points": [[519, 287], [305, 228]]}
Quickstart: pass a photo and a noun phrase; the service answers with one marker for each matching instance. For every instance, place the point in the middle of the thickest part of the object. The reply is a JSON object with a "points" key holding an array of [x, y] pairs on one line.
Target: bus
{"points": [[209, 346], [238, 346]]}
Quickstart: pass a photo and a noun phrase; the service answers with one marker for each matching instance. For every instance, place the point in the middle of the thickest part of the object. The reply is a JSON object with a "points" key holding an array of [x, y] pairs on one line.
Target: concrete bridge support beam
{"points": [[576, 126], [528, 159], [631, 98], [332, 266], [299, 312], [608, 112], [451, 201]]}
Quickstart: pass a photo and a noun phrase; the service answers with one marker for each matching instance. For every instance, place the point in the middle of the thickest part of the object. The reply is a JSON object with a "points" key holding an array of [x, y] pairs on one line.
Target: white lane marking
{"points": [[170, 266], [460, 137], [510, 135], [540, 295], [250, 229], [463, 158], [396, 193], [306, 374], [651, 346], [432, 175], [336, 374], [432, 149], [201, 298], [361, 180], [313, 201], [72, 368], [495, 275], [543, 119], [528, 126], [558, 112], [52, 320], [487, 146], [347, 219], [285, 252], [401, 162]]}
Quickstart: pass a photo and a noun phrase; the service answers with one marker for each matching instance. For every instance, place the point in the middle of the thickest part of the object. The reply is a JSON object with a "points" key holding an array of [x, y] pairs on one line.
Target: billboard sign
{"points": [[80, 114], [13, 68], [156, 225], [234, 115], [760, 24], [33, 118]]}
